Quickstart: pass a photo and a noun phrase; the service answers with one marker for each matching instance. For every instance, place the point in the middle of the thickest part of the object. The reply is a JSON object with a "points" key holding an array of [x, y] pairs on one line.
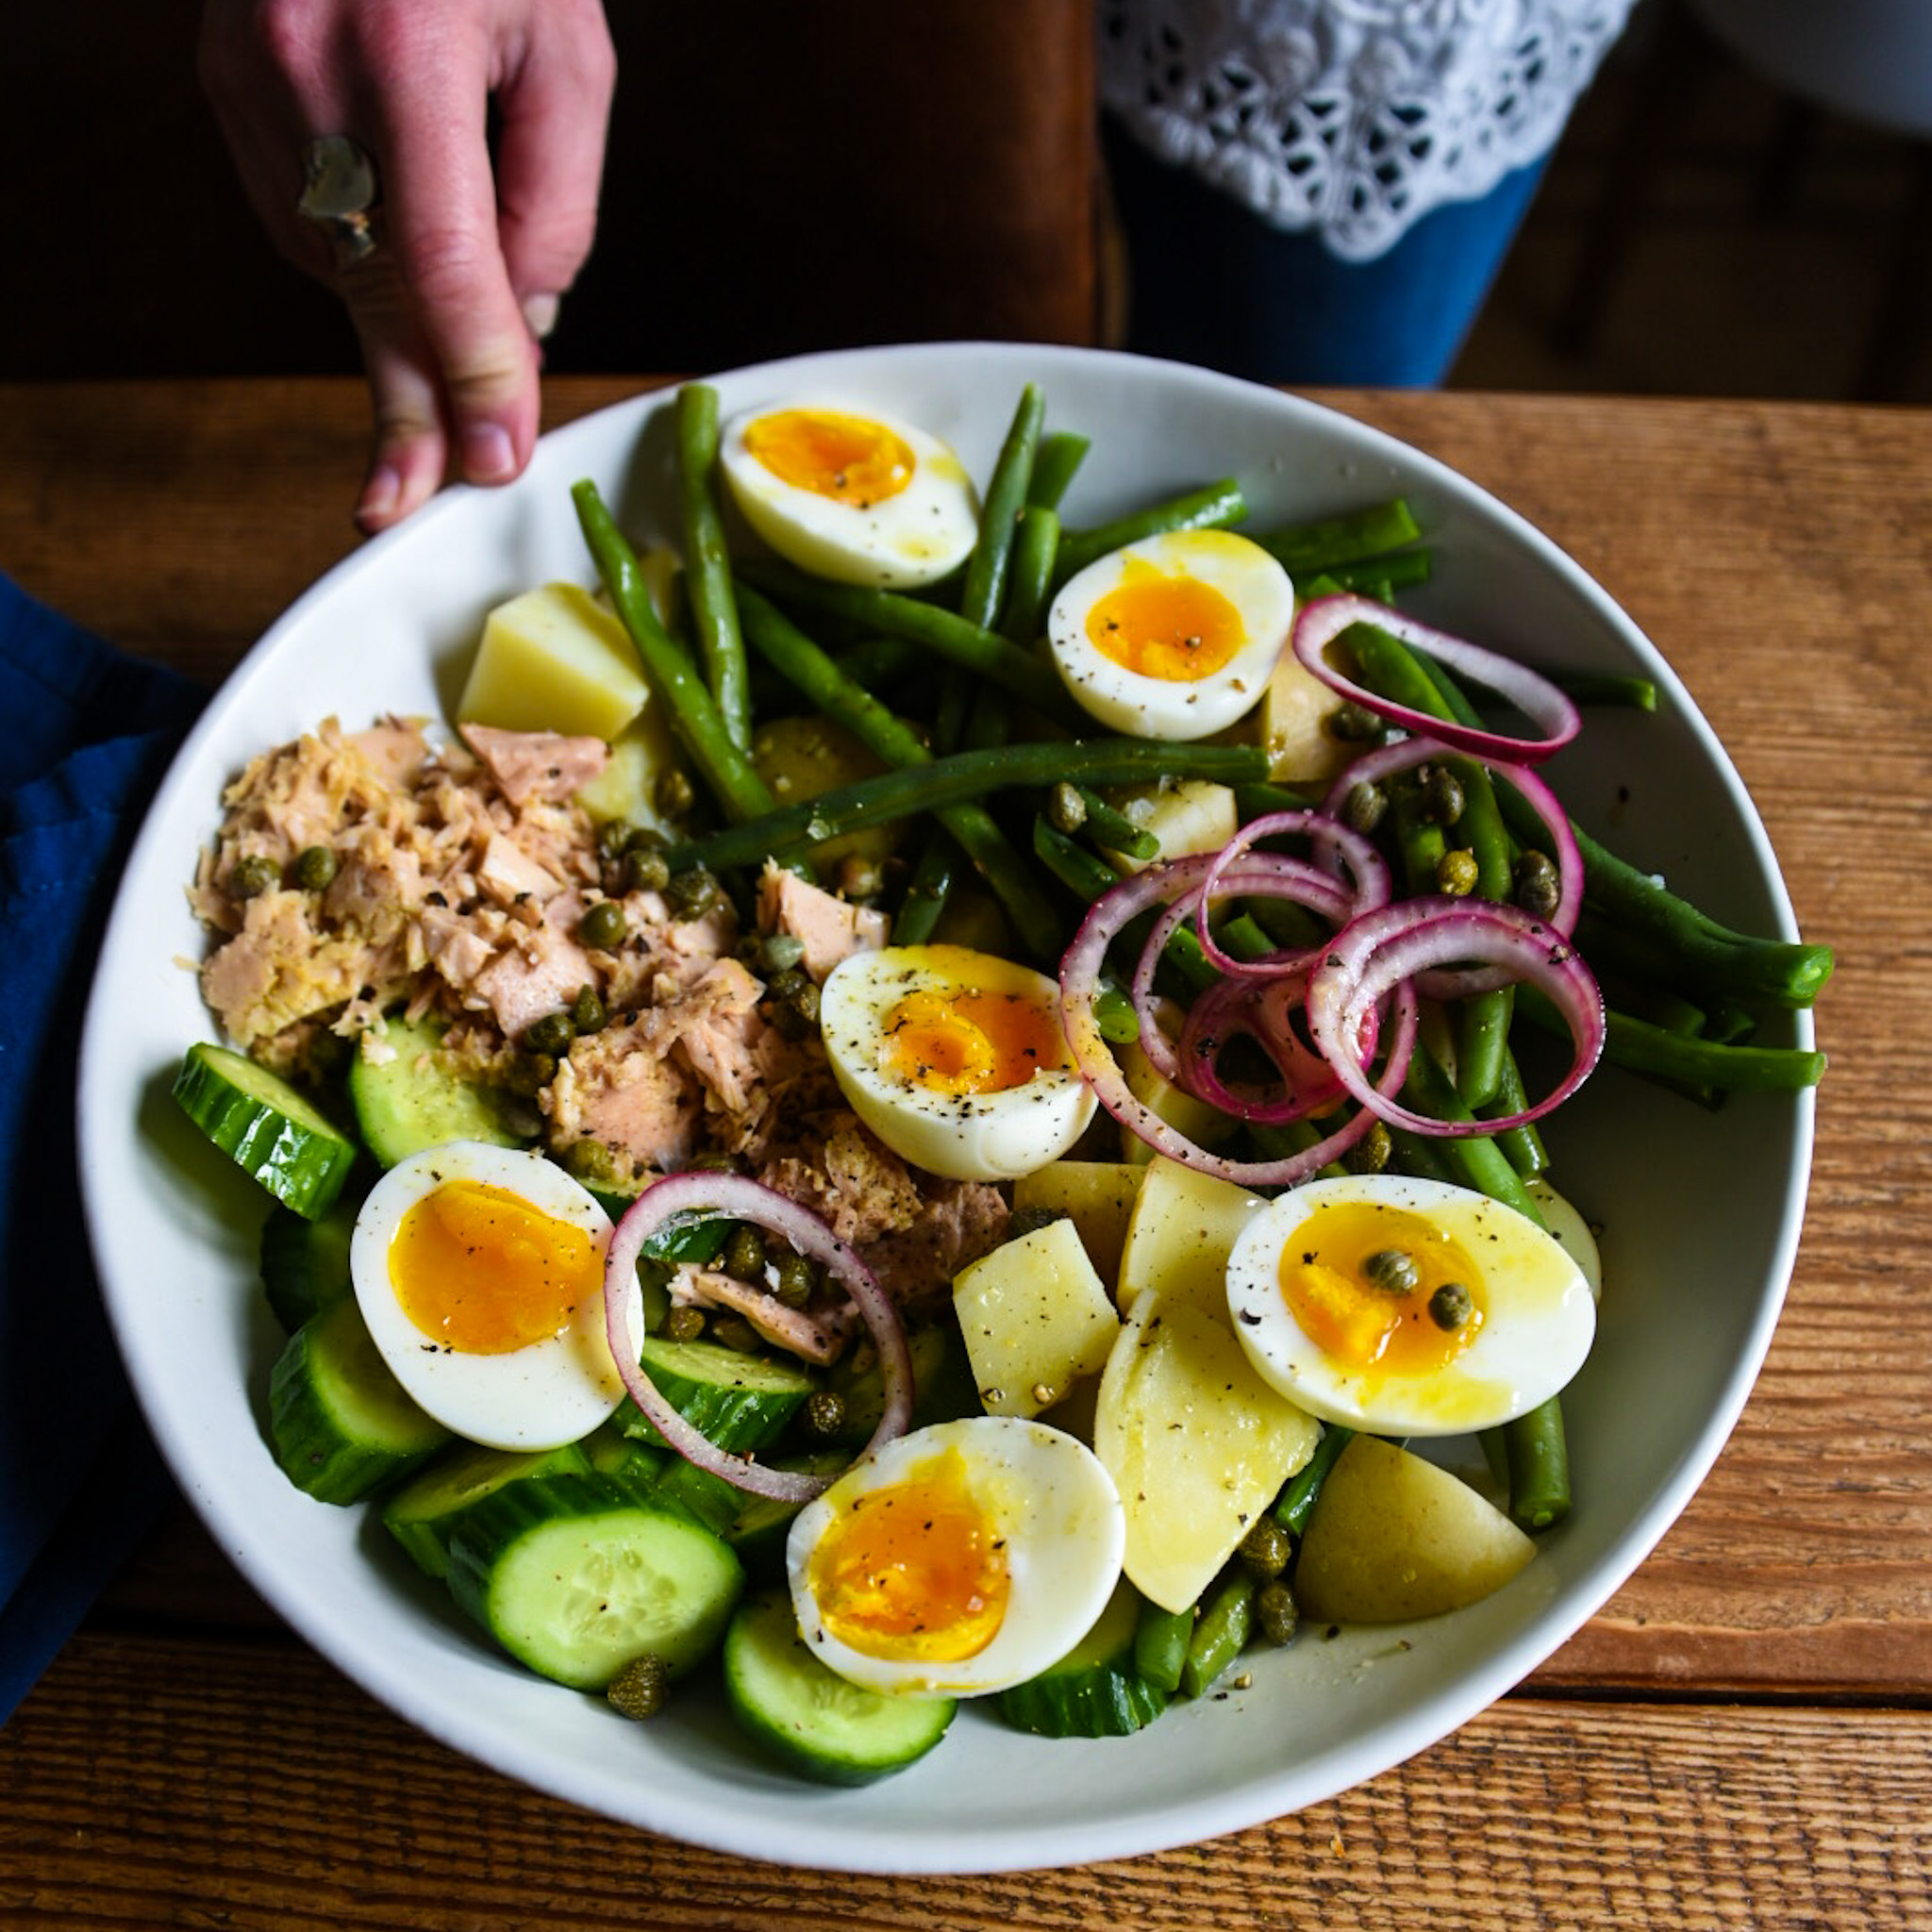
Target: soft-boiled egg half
{"points": [[1407, 1308], [956, 1060], [959, 1559], [851, 493], [1174, 637], [479, 1271]]}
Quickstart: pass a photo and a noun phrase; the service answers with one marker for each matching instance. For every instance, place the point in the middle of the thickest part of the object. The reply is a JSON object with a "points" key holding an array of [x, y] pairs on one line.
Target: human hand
{"points": [[469, 266]]}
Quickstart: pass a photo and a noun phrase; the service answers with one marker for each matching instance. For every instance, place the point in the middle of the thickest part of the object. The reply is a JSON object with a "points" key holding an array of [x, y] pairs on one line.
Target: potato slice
{"points": [[1393, 1538], [1036, 1318], [1183, 1228], [554, 659], [1295, 710], [1203, 1124], [1098, 1195], [1189, 815], [1197, 1444]]}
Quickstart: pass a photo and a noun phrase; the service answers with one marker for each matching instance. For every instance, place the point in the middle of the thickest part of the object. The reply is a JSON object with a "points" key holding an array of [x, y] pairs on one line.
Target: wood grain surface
{"points": [[1740, 1740]]}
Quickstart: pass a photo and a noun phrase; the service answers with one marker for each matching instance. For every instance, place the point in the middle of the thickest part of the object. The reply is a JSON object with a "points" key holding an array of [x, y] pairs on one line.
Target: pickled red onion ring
{"points": [[1320, 622], [734, 1196]]}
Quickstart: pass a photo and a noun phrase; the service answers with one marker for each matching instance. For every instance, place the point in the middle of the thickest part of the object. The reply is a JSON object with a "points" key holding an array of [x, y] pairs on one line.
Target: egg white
{"points": [[1141, 705], [542, 1395], [1064, 1532], [912, 538], [1539, 1324], [991, 1136]]}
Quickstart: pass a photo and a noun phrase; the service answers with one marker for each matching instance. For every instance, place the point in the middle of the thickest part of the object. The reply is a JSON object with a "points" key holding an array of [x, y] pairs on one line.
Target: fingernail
{"points": [[487, 454], [539, 312], [379, 495]]}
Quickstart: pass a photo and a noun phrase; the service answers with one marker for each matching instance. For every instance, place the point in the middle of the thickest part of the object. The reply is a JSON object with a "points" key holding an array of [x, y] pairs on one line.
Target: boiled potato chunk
{"points": [[1182, 1230], [1198, 1122], [1097, 1195], [626, 787], [1295, 712], [1197, 1444], [1188, 815], [1036, 1318], [555, 659], [1393, 1536]]}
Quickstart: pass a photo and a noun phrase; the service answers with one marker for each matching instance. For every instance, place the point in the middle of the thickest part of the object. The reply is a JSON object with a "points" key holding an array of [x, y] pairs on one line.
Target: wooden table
{"points": [[1741, 1739]]}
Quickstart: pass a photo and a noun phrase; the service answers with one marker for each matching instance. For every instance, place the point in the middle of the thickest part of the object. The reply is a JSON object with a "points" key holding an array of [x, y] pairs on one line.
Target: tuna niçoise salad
{"points": [[910, 1104]]}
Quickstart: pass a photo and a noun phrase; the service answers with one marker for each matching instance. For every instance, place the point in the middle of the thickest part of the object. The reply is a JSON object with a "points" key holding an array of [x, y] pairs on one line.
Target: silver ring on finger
{"points": [[342, 194]]}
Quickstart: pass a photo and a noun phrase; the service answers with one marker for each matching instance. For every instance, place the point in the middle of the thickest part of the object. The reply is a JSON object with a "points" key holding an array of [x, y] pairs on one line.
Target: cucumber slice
{"points": [[423, 1514], [809, 1717], [305, 1264], [414, 1101], [741, 1402], [271, 1132], [342, 1425], [576, 1577], [707, 1499], [759, 1531], [943, 1385], [1094, 1690]]}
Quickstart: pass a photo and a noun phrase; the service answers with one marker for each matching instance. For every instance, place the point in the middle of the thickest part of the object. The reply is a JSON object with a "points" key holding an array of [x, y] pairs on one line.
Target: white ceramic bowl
{"points": [[1700, 1212]]}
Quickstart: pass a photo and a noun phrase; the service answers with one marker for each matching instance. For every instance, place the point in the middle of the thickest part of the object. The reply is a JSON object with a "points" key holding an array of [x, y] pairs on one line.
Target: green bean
{"points": [[1087, 877], [1114, 831], [985, 589], [1036, 543], [1523, 1145], [1058, 457], [694, 716], [1114, 1014], [925, 894], [1212, 508], [1302, 548], [825, 682], [984, 653], [1537, 1454], [1474, 1159], [878, 663], [1482, 1040], [1296, 1502], [1606, 688], [1420, 1155], [1655, 1051], [706, 561], [1379, 577], [1160, 1644], [1220, 1634]]}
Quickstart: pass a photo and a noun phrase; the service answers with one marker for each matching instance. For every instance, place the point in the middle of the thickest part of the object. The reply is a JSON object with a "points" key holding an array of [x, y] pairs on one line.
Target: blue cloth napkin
{"points": [[88, 732]]}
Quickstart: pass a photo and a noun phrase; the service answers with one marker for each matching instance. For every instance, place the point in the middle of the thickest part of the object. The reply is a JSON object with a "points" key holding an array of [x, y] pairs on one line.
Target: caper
{"points": [[744, 1252], [613, 837], [713, 1160], [552, 1034], [1457, 872], [794, 1000], [604, 927], [1266, 1548], [252, 876], [778, 952], [1362, 810], [690, 893], [589, 1160], [1392, 1271], [1025, 1221], [1450, 1306], [314, 869], [858, 876], [645, 838], [1372, 1152], [1354, 724], [824, 1414], [643, 871], [798, 1280], [528, 1073], [1276, 1615], [735, 1332], [637, 1691], [1539, 886], [1066, 810], [587, 1011], [684, 1324], [674, 795], [1442, 794]]}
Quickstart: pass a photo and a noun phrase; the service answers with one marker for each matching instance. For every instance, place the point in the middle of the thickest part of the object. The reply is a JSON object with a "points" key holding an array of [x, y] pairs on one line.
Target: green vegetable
{"points": [[413, 1100], [1538, 1458], [740, 1402], [1060, 456], [1296, 1502], [984, 593], [1303, 548], [271, 1132], [707, 562], [424, 1513], [305, 1263], [1212, 508], [1096, 1689], [1160, 1644], [1221, 1632]]}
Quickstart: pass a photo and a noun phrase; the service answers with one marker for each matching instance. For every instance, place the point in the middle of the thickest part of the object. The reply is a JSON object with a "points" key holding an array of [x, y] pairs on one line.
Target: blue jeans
{"points": [[1209, 282]]}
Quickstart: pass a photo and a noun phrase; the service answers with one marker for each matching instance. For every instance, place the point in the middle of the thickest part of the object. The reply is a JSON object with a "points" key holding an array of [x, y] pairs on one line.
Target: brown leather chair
{"points": [[781, 177]]}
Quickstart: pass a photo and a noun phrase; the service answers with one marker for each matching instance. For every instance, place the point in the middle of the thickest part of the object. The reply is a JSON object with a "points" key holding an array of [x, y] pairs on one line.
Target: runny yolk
{"points": [[479, 1269], [916, 1570], [843, 458], [1337, 1277], [1173, 627], [964, 1040]]}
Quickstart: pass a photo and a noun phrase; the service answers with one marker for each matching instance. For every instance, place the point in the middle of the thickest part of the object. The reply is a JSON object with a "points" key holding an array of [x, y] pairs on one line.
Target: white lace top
{"points": [[1351, 117]]}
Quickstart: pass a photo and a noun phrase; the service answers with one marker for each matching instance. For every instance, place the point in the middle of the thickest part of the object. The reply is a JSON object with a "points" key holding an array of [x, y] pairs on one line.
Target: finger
{"points": [[412, 439], [555, 109]]}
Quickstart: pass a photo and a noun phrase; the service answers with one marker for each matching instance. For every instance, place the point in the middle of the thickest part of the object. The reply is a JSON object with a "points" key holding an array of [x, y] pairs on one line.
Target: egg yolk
{"points": [[1376, 1287], [843, 458], [1173, 627], [964, 1040], [480, 1270], [914, 1571]]}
